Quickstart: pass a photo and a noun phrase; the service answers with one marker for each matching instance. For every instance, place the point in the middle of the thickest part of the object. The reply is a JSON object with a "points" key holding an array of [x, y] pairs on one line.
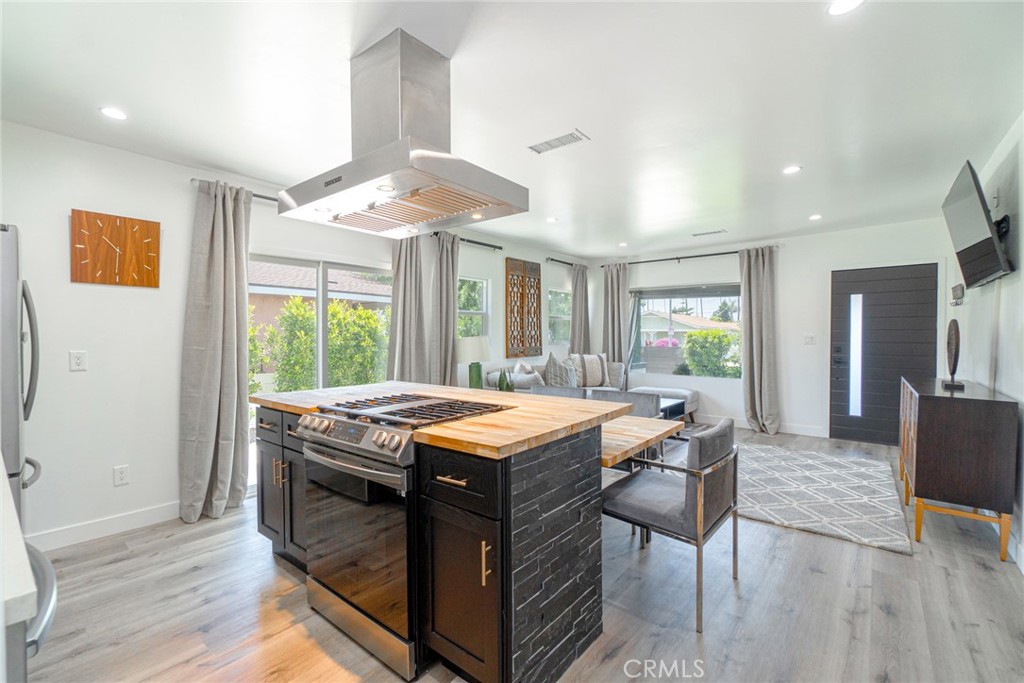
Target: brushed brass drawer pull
{"points": [[276, 462], [281, 480], [454, 482], [267, 425], [484, 571], [291, 432]]}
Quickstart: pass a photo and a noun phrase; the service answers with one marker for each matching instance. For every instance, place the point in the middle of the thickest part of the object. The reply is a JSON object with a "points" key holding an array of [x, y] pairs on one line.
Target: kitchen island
{"points": [[508, 526]]}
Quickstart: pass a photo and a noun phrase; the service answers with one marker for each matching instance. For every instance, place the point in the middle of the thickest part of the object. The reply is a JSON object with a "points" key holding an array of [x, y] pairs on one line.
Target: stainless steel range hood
{"points": [[403, 178]]}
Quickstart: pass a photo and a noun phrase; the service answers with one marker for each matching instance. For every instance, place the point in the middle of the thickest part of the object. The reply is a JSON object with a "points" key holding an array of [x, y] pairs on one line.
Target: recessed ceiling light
{"points": [[386, 188], [413, 231], [552, 219], [623, 244], [814, 217], [838, 7], [478, 216], [790, 170], [114, 113]]}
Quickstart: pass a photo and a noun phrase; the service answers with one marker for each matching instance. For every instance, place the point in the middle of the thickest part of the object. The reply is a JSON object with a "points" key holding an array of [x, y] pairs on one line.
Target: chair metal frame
{"points": [[702, 533]]}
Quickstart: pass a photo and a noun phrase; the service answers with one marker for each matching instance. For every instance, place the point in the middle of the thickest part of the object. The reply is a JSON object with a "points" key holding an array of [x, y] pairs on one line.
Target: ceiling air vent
{"points": [[709, 232], [561, 141]]}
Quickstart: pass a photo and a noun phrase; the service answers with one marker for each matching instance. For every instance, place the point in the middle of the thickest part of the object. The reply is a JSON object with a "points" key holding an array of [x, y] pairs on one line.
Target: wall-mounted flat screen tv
{"points": [[977, 240]]}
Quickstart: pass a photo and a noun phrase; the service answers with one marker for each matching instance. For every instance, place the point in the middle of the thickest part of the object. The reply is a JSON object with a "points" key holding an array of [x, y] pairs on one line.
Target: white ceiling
{"points": [[693, 108]]}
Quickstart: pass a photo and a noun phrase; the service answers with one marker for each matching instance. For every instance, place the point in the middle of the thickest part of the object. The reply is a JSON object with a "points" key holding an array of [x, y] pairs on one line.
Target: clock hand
{"points": [[110, 243]]}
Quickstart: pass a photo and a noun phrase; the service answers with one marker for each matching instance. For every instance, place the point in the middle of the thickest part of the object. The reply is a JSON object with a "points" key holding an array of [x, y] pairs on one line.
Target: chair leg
{"points": [[700, 588], [735, 545]]}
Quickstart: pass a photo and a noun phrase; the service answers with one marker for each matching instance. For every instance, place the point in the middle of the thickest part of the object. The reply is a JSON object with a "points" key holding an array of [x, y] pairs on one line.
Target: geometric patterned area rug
{"points": [[853, 499]]}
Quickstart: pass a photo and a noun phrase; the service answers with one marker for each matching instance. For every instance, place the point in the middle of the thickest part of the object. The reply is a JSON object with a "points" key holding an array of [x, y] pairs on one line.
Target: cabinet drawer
{"points": [[464, 481], [268, 425], [289, 440]]}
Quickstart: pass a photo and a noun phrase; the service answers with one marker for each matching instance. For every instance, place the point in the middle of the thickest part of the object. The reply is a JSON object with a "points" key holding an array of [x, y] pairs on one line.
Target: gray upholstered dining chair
{"points": [[564, 392], [691, 507], [644, 405]]}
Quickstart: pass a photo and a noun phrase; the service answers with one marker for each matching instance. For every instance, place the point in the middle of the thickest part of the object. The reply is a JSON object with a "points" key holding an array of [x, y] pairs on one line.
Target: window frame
{"points": [[551, 317], [483, 314], [322, 298]]}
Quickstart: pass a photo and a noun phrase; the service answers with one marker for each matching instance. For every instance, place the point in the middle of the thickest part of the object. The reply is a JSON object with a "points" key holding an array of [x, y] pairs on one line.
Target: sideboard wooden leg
{"points": [[918, 518], [1004, 536], [906, 491]]}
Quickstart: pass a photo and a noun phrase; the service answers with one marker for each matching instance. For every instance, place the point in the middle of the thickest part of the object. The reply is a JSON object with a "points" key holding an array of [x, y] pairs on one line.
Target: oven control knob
{"points": [[323, 425], [379, 438], [394, 442], [304, 421]]}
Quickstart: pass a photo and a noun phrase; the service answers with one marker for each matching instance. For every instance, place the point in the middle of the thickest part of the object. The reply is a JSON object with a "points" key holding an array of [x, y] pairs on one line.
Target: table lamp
{"points": [[472, 350]]}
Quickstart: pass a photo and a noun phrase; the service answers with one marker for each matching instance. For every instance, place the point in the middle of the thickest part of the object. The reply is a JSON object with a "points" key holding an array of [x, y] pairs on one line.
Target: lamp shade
{"points": [[473, 349]]}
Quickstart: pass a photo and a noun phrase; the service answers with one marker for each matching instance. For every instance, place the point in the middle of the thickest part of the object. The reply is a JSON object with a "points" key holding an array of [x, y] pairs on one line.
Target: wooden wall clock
{"points": [[114, 250]]}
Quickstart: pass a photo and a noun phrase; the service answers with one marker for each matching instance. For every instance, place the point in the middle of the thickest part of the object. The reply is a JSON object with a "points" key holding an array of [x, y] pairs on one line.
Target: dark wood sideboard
{"points": [[958, 448]]}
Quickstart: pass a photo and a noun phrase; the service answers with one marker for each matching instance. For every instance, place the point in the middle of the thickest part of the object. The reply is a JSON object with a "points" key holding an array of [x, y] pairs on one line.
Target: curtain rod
{"points": [[496, 247], [558, 260], [677, 259], [257, 196]]}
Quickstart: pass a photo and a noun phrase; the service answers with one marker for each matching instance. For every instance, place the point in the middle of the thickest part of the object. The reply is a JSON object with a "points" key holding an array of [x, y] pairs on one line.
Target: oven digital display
{"points": [[349, 433]]}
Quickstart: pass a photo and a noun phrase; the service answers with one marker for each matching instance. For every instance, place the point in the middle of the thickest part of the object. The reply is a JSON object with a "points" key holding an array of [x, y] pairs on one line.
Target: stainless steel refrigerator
{"points": [[19, 347], [19, 375]]}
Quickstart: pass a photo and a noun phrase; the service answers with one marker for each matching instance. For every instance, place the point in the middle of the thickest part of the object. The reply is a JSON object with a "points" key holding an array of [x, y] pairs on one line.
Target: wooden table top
{"points": [[531, 420], [626, 436]]}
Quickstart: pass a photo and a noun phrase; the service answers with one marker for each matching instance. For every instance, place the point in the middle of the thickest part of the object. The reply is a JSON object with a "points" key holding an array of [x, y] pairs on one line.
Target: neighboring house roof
{"points": [[267, 274], [686, 322]]}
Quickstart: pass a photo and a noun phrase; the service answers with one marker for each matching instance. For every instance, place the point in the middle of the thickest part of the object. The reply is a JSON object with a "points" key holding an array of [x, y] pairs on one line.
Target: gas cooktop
{"points": [[412, 410]]}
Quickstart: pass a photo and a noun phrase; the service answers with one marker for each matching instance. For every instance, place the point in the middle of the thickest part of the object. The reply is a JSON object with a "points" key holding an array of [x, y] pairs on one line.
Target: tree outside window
{"points": [[472, 303], [559, 316]]}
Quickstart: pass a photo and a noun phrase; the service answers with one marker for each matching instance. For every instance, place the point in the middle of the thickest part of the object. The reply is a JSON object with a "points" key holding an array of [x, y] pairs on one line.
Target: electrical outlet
{"points": [[121, 475], [810, 340], [78, 361]]}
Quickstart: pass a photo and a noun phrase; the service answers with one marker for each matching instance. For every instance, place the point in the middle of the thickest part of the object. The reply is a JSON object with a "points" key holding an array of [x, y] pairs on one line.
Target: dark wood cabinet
{"points": [[959, 448], [462, 614], [281, 485], [269, 496]]}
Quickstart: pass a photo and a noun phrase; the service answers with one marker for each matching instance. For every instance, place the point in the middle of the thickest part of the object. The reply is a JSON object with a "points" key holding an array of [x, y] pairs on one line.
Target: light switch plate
{"points": [[810, 340], [78, 361]]}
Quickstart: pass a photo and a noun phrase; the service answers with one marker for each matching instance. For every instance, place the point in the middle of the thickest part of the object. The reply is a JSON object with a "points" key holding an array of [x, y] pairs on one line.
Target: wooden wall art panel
{"points": [[523, 302]]}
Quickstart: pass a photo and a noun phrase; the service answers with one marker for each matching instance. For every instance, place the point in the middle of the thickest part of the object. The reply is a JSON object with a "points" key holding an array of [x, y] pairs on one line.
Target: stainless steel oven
{"points": [[361, 517], [361, 531]]}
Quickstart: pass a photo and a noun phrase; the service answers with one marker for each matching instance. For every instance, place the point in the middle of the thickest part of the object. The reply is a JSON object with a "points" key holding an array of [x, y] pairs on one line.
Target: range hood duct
{"points": [[403, 178]]}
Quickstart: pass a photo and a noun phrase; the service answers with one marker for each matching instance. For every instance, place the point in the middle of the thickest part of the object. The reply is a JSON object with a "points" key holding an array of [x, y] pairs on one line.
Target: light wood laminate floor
{"points": [[177, 602]]}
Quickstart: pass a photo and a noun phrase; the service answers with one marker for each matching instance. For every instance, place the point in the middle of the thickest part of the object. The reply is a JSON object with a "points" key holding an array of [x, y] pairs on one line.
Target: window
{"points": [[690, 331], [314, 324], [472, 300], [559, 316]]}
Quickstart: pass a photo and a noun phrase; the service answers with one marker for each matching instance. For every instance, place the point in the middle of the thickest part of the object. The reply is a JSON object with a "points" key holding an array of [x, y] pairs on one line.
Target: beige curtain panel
{"points": [[579, 321], [448, 308], [757, 304], [407, 356], [213, 448], [616, 312]]}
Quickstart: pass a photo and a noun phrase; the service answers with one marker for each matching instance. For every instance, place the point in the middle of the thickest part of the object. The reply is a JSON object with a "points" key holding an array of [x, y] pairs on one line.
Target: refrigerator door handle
{"points": [[37, 471], [33, 380], [46, 585]]}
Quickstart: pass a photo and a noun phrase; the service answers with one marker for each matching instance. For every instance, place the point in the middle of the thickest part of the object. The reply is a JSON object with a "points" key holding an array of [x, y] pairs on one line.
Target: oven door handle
{"points": [[397, 481]]}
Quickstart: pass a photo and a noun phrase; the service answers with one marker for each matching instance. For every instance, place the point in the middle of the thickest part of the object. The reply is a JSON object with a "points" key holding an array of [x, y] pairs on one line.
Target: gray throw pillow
{"points": [[559, 374]]}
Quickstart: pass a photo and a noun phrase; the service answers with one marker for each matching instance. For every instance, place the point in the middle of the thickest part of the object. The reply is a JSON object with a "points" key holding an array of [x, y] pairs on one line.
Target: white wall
{"points": [[124, 409], [489, 264], [992, 317]]}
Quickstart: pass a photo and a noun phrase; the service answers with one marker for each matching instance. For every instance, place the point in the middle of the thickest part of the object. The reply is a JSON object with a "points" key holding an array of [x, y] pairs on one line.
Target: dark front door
{"points": [[883, 328]]}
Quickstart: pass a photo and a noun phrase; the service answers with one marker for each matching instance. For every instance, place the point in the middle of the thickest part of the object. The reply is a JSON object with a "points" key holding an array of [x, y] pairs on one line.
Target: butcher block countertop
{"points": [[531, 420]]}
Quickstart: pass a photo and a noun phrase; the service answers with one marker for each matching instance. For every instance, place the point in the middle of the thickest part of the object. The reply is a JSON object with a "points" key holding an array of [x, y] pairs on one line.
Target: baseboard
{"points": [[784, 428], [106, 526]]}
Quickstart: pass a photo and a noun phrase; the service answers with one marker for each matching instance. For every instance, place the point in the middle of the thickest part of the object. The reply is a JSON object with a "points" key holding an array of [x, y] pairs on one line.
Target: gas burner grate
{"points": [[380, 402]]}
